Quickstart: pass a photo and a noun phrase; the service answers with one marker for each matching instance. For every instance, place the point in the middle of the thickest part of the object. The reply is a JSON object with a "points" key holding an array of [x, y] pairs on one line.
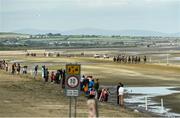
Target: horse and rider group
{"points": [[129, 59]]}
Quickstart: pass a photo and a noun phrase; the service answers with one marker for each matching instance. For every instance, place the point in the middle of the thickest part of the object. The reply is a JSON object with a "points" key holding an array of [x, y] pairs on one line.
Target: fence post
{"points": [[146, 103], [75, 106], [167, 63], [162, 105], [70, 106]]}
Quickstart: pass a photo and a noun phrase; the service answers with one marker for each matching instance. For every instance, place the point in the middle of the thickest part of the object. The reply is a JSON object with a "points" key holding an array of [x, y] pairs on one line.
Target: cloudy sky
{"points": [[61, 15]]}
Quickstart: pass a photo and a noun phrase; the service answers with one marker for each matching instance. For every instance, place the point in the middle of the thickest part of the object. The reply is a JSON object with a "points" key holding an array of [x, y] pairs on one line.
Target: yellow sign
{"points": [[73, 69]]}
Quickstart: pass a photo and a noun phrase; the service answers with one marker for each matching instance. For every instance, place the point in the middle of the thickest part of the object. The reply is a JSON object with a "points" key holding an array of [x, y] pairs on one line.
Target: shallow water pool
{"points": [[136, 98]]}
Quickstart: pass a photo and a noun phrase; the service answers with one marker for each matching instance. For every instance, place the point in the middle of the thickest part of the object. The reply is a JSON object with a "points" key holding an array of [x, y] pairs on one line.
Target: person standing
{"points": [[63, 78], [121, 95], [145, 59], [25, 70], [52, 76], [85, 84], [18, 68], [139, 59], [35, 71], [43, 72], [92, 93], [114, 59], [57, 76], [6, 66], [60, 78], [81, 82], [129, 59], [46, 75], [102, 96], [96, 87], [91, 83], [107, 93], [133, 59], [117, 91], [13, 68], [136, 59], [3, 64]]}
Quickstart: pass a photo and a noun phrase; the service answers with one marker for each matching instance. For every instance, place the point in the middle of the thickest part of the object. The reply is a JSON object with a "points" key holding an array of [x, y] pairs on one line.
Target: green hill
{"points": [[11, 35]]}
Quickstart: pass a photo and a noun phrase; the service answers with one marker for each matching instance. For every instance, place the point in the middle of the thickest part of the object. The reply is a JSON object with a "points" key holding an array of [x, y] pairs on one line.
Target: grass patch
{"points": [[26, 97]]}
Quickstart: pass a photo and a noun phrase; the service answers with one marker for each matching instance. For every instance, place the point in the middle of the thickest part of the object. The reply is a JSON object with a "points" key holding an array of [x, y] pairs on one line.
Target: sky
{"points": [[62, 15]]}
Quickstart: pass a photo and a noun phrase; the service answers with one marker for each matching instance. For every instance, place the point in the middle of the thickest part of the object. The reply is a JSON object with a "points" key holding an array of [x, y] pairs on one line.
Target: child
{"points": [[52, 76], [102, 96], [106, 93], [92, 93]]}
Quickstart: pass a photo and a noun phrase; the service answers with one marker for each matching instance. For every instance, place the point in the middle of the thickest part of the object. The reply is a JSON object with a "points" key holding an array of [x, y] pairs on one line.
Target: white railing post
{"points": [[162, 105], [146, 103], [167, 63]]}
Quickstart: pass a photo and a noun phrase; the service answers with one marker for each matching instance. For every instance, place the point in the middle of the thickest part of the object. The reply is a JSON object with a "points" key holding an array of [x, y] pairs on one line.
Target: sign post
{"points": [[72, 83], [70, 107]]}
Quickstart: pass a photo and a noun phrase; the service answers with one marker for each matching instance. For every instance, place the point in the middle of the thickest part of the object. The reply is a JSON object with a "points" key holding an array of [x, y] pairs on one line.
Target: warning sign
{"points": [[72, 83], [73, 69]]}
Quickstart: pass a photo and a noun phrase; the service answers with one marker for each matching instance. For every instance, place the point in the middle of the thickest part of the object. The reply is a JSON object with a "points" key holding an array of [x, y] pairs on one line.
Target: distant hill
{"points": [[92, 31], [95, 31], [35, 31], [176, 34], [11, 35]]}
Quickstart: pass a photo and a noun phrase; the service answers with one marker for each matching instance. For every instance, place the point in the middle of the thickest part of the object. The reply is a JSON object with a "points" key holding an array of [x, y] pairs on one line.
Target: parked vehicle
{"points": [[105, 56], [96, 56]]}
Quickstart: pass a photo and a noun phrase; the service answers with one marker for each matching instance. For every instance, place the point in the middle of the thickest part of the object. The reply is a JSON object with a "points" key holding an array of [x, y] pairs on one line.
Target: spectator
{"points": [[63, 78], [18, 68], [24, 69], [91, 82], [145, 59], [96, 87], [35, 71], [114, 59], [81, 82], [117, 91], [6, 66], [46, 75], [13, 68], [85, 86], [106, 94], [121, 94], [102, 95], [99, 93], [92, 93], [52, 76], [57, 76], [43, 72]]}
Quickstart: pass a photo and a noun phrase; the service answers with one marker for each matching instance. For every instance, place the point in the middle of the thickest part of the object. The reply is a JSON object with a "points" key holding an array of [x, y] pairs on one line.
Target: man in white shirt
{"points": [[121, 95]]}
